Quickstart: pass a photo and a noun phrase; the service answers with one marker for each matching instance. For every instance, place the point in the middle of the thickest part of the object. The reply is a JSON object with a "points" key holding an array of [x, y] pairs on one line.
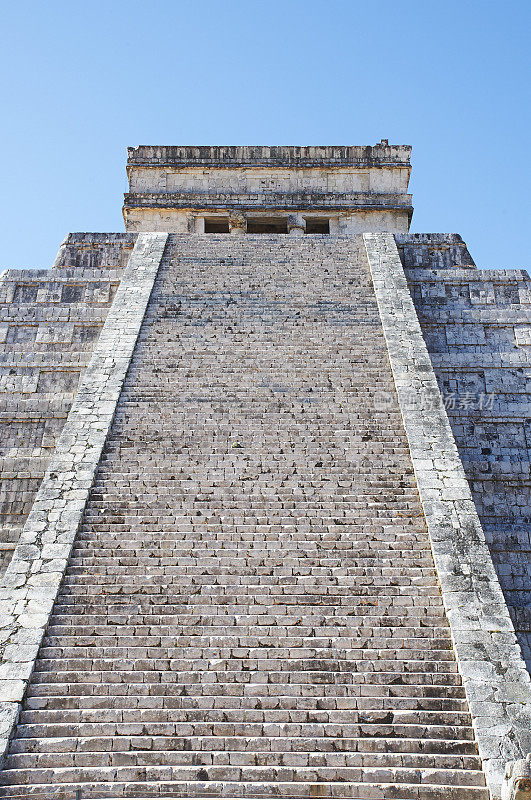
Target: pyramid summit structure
{"points": [[265, 494]]}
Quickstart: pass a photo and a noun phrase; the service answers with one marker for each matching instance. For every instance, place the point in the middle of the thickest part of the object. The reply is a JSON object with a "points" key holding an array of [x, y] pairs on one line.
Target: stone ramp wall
{"points": [[50, 321], [477, 327], [33, 577], [497, 684]]}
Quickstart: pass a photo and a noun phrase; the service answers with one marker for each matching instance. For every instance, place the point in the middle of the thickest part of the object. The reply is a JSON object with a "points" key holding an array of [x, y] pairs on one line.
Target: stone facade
{"points": [[49, 323], [268, 494], [477, 327]]}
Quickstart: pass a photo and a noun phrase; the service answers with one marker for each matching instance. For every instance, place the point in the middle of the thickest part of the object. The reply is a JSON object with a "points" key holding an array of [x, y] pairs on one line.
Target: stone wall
{"points": [[50, 321], [35, 572], [477, 326], [495, 678]]}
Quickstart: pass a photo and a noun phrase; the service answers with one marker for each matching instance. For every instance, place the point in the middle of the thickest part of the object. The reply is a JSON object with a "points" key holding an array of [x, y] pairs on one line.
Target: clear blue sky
{"points": [[82, 80]]}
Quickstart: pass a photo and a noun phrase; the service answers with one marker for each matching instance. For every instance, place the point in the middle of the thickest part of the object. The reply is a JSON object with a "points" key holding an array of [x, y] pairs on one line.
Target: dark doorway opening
{"points": [[216, 225], [267, 225], [317, 225]]}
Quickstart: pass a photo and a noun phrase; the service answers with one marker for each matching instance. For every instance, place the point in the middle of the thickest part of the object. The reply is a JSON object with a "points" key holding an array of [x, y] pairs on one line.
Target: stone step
{"points": [[276, 507], [174, 608], [262, 691], [170, 791], [410, 606], [376, 527], [374, 491], [264, 575], [293, 702], [258, 537], [278, 776], [148, 632], [258, 540], [387, 675], [236, 477], [370, 538], [374, 485], [256, 569], [185, 648], [247, 744], [333, 589], [234, 646], [153, 632], [187, 758], [117, 612], [131, 528], [249, 729], [117, 608], [379, 531], [218, 560], [238, 716], [366, 661], [264, 584]]}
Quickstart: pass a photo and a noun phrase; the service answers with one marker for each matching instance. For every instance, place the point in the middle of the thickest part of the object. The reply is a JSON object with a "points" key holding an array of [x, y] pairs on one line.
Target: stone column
{"points": [[237, 222], [334, 226], [296, 225], [196, 225]]}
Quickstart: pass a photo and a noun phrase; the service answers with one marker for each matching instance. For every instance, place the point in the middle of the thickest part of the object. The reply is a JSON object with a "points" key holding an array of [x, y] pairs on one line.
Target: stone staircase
{"points": [[251, 607]]}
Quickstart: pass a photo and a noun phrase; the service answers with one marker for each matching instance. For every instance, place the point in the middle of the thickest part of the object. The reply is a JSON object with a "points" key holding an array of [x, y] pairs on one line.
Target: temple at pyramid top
{"points": [[257, 189]]}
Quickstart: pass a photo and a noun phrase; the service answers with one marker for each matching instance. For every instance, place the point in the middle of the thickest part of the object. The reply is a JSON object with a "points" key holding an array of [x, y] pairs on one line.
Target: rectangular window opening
{"points": [[216, 224], [317, 225], [267, 225]]}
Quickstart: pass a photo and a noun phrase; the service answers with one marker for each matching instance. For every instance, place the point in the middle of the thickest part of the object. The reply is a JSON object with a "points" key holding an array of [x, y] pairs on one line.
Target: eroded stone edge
{"points": [[32, 580], [489, 659]]}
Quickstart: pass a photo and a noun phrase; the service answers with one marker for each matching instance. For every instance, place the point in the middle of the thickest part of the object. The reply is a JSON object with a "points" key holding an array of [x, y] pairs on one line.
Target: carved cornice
{"points": [[380, 155], [271, 201]]}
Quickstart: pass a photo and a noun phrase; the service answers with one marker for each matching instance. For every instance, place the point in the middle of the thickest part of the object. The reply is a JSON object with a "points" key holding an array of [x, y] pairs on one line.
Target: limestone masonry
{"points": [[265, 494]]}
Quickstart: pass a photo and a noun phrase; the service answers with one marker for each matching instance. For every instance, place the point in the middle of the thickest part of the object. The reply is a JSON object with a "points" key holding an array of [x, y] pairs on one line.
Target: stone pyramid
{"points": [[265, 494]]}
